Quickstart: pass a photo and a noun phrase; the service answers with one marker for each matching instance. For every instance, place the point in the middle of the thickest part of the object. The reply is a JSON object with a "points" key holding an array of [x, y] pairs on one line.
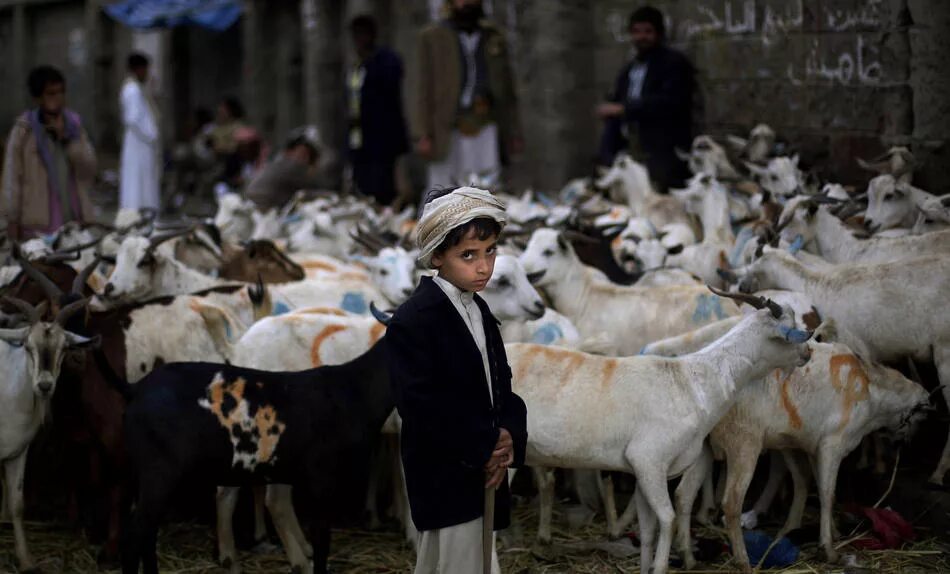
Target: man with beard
{"points": [[49, 163], [466, 117], [651, 107]]}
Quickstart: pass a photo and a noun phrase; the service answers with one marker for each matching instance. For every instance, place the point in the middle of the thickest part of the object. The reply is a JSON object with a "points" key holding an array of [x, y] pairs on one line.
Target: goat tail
{"points": [[117, 382]]}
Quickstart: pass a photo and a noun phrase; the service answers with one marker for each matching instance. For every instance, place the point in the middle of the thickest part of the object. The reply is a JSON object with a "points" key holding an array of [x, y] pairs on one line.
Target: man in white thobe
{"points": [[140, 169]]}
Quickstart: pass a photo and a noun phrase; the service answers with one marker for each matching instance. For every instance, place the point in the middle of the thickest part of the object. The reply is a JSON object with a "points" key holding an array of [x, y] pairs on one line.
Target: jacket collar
{"points": [[428, 295]]}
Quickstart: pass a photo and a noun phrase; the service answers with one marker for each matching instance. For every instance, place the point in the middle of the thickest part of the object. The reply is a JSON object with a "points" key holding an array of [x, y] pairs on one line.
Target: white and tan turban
{"points": [[442, 215]]}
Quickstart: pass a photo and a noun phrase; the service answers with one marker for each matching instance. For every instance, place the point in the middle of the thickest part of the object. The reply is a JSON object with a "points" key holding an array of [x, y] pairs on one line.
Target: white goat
{"points": [[897, 161], [31, 356], [894, 204], [805, 224], [872, 309], [825, 409], [631, 316], [688, 396], [235, 217], [758, 146], [630, 182], [780, 176], [708, 157]]}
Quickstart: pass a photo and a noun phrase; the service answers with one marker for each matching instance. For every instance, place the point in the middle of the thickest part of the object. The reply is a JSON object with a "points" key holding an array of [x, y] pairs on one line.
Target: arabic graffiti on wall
{"points": [[847, 63]]}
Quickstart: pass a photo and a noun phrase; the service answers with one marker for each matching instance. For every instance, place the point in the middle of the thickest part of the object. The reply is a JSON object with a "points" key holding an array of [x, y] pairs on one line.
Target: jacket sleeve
{"points": [[82, 156], [514, 418], [136, 116], [12, 185], [674, 92], [417, 401], [422, 118]]}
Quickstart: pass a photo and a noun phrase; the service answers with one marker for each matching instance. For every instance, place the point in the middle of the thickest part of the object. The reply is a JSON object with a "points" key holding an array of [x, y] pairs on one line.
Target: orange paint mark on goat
{"points": [[376, 332], [794, 418], [269, 430], [353, 276], [321, 311], [322, 336], [854, 389], [227, 401], [318, 265], [524, 362], [616, 241], [607, 374]]}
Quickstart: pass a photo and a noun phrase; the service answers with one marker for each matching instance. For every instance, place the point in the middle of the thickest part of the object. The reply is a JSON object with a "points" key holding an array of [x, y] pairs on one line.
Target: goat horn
{"points": [[160, 238], [32, 313], [379, 315], [80, 247], [83, 276], [753, 300], [69, 310], [58, 256], [572, 235], [53, 292]]}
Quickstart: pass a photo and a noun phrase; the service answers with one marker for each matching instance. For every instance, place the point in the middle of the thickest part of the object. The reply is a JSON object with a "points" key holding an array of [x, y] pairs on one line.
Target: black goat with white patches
{"points": [[233, 426]]}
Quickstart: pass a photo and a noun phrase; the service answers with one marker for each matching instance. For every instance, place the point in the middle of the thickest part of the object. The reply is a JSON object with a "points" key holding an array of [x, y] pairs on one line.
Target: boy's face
{"points": [[469, 264]]}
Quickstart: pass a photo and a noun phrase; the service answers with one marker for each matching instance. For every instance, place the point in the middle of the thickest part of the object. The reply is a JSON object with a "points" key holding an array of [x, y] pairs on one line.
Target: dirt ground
{"points": [[188, 548]]}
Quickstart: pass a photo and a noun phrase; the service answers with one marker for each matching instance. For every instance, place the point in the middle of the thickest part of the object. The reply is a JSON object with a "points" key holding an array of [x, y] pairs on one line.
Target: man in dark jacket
{"points": [[651, 107], [377, 129]]}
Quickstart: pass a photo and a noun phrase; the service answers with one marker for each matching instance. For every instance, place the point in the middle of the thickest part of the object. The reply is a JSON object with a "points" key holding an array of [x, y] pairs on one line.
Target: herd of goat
{"points": [[647, 333]]}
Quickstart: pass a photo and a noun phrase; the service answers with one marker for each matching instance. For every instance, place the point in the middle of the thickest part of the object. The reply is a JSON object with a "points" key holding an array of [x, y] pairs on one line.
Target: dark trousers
{"points": [[376, 178]]}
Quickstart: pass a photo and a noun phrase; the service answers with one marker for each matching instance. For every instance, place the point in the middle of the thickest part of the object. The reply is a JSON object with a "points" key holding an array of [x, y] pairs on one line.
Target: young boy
{"points": [[462, 427]]}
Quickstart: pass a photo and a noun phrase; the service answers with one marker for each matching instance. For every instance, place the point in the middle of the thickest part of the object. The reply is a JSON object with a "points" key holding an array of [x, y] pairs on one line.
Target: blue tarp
{"points": [[214, 14]]}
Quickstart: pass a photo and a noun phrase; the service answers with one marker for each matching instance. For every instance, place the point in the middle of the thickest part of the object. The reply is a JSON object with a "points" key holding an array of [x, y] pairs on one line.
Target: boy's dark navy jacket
{"points": [[449, 425]]}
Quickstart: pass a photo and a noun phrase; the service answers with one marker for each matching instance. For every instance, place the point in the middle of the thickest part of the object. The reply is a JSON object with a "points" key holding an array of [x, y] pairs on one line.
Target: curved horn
{"points": [[51, 289], [160, 238], [80, 247], [83, 276], [379, 315], [69, 310], [572, 235], [753, 300], [256, 292], [32, 313]]}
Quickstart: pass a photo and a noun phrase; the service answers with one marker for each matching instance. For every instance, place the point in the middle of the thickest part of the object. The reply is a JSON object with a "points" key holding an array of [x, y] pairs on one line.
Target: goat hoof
{"points": [[263, 546]]}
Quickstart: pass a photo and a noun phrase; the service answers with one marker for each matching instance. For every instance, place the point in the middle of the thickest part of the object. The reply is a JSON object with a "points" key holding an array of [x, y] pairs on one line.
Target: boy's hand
{"points": [[494, 479], [503, 454]]}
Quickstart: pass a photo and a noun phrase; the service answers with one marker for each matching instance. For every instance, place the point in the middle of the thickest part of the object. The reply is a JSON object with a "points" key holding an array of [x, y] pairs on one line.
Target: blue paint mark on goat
{"points": [[796, 244], [707, 307], [280, 308], [547, 334], [354, 302]]}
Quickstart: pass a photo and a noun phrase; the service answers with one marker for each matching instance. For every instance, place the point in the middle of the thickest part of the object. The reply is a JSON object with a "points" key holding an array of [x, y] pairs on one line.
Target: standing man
{"points": [[466, 108], [652, 104], [49, 163], [377, 129], [140, 170]]}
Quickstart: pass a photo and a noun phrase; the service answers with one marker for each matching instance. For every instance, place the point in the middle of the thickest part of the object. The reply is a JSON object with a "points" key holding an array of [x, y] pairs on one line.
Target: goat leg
{"points": [[545, 480], [750, 519], [829, 459], [226, 500], [795, 463], [610, 506], [13, 475], [279, 501], [740, 467], [686, 492], [942, 361]]}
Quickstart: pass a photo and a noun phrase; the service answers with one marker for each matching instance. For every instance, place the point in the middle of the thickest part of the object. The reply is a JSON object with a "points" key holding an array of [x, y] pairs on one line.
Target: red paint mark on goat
{"points": [[321, 311], [322, 336], [854, 389], [375, 332]]}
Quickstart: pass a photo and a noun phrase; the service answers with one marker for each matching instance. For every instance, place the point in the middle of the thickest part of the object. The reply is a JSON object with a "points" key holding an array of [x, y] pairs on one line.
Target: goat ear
{"points": [[682, 154], [795, 159], [74, 341], [14, 337], [562, 242], [812, 209], [754, 169]]}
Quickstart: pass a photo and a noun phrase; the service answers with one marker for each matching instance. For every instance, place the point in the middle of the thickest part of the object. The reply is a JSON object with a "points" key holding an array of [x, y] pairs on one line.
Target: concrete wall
{"points": [[839, 78]]}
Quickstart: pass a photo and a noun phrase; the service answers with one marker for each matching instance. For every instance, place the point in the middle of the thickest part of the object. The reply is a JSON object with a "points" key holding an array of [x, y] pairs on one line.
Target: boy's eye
{"points": [[491, 249], [467, 255]]}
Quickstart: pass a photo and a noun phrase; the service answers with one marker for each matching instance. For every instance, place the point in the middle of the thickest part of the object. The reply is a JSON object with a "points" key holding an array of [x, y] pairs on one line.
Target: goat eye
{"points": [[548, 253], [384, 272], [504, 282], [888, 197], [773, 177]]}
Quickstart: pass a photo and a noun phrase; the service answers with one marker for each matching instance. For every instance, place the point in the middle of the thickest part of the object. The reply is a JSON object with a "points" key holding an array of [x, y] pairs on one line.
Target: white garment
{"points": [[454, 550], [467, 155], [469, 43], [140, 168], [638, 73], [464, 303]]}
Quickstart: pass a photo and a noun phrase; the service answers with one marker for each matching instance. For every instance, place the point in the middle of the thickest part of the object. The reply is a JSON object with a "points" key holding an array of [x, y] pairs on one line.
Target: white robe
{"points": [[140, 168]]}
